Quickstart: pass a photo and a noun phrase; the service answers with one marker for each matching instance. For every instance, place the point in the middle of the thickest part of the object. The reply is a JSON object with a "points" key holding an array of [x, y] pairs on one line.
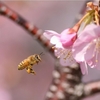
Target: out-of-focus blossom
{"points": [[86, 49], [63, 43]]}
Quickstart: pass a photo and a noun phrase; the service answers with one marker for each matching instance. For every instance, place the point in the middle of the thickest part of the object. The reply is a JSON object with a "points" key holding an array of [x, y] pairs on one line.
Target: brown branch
{"points": [[91, 88], [66, 83], [32, 29]]}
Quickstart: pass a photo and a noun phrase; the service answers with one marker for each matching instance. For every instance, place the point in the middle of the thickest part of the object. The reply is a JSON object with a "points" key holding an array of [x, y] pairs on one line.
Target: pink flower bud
{"points": [[67, 39]]}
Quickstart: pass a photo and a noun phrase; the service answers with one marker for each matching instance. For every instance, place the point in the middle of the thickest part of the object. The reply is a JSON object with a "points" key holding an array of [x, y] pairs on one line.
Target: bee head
{"points": [[37, 58]]}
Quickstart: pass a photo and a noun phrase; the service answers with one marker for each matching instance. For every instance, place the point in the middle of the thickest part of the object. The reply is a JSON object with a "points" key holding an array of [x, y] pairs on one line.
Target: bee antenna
{"points": [[41, 53]]}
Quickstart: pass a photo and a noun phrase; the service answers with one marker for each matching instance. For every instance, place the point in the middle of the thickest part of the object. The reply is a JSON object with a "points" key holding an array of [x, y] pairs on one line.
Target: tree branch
{"points": [[66, 83], [91, 88], [32, 29]]}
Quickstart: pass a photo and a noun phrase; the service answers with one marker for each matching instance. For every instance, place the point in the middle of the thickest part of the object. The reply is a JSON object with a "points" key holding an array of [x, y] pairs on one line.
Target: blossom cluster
{"points": [[83, 47]]}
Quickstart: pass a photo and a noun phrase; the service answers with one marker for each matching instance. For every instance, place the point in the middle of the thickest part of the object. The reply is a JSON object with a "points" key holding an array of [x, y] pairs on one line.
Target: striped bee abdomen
{"points": [[23, 64]]}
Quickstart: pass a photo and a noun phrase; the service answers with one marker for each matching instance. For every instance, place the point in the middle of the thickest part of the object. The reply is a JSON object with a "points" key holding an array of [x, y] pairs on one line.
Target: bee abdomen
{"points": [[21, 66]]}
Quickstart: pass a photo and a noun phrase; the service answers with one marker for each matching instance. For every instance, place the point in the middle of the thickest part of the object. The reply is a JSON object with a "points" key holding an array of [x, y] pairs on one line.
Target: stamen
{"points": [[97, 49], [93, 42], [59, 52], [96, 56], [68, 54], [98, 44]]}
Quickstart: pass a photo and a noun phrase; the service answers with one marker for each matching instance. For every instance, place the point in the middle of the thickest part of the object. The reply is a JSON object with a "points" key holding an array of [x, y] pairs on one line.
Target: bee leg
{"points": [[32, 71], [28, 70]]}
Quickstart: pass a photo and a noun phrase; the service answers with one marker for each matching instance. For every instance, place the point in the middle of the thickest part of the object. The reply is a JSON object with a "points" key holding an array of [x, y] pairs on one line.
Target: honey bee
{"points": [[29, 62]]}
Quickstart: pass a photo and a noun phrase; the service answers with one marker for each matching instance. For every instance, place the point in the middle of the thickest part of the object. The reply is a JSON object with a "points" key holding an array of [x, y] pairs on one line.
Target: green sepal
{"points": [[88, 19]]}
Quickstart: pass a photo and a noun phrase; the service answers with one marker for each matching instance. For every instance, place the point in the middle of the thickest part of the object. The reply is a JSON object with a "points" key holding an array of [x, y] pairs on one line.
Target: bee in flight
{"points": [[29, 62]]}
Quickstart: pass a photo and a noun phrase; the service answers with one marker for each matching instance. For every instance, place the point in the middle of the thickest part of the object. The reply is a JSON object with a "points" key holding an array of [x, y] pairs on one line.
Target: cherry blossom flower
{"points": [[86, 49], [63, 43], [83, 48]]}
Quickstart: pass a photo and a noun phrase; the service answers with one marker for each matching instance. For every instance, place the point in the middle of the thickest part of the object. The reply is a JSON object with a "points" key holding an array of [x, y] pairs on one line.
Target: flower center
{"points": [[65, 54]]}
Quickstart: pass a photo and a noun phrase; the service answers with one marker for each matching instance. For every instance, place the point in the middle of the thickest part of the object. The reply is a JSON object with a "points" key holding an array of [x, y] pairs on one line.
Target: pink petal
{"points": [[54, 40], [58, 52], [59, 45], [92, 63], [98, 61], [79, 51], [49, 34], [67, 61], [81, 45], [91, 32], [64, 62], [84, 68], [90, 51]]}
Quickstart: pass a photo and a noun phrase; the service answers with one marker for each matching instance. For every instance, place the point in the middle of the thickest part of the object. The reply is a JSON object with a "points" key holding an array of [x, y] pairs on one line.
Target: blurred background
{"points": [[16, 45]]}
